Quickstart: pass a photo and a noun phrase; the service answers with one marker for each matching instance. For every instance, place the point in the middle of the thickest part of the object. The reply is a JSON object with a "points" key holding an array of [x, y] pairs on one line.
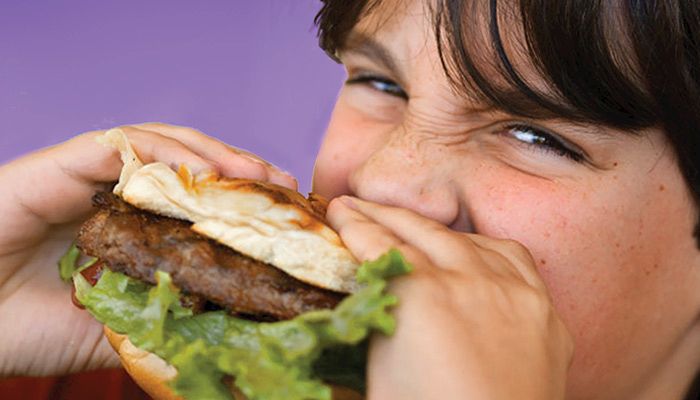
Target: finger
{"points": [[151, 147], [70, 173], [445, 248], [366, 239], [517, 254], [233, 162]]}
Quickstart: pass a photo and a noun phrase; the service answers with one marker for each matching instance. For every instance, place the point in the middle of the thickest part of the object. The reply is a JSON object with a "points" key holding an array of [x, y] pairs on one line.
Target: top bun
{"points": [[264, 221]]}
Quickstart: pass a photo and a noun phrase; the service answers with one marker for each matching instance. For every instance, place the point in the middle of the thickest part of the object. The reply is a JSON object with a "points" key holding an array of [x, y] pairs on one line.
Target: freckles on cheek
{"points": [[552, 223], [589, 257], [529, 216]]}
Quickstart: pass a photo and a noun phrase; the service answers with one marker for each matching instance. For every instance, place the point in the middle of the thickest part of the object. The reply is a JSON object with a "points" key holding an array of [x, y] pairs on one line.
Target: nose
{"points": [[401, 173]]}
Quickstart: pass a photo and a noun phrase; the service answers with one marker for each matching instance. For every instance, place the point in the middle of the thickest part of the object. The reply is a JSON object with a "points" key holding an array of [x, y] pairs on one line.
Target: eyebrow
{"points": [[537, 112], [362, 44]]}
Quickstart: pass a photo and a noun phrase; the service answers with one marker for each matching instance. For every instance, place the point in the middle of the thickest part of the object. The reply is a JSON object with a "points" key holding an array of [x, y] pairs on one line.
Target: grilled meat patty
{"points": [[137, 243]]}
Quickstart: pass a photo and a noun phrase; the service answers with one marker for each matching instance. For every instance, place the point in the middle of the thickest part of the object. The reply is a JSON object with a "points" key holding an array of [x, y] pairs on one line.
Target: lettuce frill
{"points": [[283, 360]]}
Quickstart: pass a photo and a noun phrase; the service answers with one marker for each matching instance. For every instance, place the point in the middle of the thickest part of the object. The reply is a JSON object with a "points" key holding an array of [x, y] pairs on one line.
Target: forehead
{"points": [[402, 26], [406, 32], [495, 54]]}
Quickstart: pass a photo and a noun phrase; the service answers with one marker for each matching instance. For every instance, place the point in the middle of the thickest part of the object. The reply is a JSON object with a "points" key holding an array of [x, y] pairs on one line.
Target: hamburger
{"points": [[214, 287]]}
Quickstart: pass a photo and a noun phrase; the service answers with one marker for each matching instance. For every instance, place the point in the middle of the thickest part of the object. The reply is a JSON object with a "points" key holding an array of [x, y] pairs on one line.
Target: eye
{"points": [[379, 83], [541, 140]]}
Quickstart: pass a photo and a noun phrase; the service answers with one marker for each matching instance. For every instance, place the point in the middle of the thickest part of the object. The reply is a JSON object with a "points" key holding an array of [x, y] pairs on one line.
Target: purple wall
{"points": [[247, 72]]}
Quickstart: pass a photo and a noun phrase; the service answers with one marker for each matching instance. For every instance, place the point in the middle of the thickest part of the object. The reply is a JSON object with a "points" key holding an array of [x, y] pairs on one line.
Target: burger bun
{"points": [[152, 373]]}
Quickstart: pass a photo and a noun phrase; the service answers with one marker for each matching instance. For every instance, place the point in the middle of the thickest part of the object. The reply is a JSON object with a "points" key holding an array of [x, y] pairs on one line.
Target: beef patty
{"points": [[137, 243]]}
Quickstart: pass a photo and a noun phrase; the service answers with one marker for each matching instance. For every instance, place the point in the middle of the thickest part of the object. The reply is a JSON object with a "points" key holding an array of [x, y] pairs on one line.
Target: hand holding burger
{"points": [[196, 268], [45, 197]]}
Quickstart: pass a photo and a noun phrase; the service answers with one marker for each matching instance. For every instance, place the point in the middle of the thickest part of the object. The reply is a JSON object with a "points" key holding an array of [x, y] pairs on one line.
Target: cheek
{"points": [[349, 140], [615, 259], [594, 250]]}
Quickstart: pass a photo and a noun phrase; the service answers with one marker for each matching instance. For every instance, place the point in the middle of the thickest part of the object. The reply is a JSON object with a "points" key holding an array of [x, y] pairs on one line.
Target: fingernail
{"points": [[284, 179], [275, 169], [348, 201], [285, 173]]}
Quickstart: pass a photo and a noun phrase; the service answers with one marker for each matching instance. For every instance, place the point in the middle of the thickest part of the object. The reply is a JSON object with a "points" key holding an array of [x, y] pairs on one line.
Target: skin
{"points": [[610, 237], [536, 276], [48, 196]]}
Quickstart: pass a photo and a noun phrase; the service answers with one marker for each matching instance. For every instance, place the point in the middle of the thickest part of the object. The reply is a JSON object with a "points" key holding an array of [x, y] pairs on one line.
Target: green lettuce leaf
{"points": [[68, 264], [267, 361]]}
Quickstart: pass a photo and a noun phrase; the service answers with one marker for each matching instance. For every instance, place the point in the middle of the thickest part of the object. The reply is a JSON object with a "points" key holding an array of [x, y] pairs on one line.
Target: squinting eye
{"points": [[381, 84], [544, 141]]}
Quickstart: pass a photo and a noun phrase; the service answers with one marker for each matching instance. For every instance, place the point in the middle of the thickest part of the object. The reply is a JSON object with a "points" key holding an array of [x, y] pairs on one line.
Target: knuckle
{"points": [[367, 241], [170, 144], [459, 240], [188, 131], [333, 207], [407, 251], [431, 281], [360, 228], [535, 302], [259, 171], [428, 223], [513, 244], [517, 248]]}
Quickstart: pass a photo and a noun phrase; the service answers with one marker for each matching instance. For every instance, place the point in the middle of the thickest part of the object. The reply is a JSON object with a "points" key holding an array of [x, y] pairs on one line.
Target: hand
{"points": [[474, 319], [45, 196]]}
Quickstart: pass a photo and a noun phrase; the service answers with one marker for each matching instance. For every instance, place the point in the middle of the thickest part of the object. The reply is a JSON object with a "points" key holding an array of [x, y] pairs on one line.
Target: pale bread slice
{"points": [[264, 221]]}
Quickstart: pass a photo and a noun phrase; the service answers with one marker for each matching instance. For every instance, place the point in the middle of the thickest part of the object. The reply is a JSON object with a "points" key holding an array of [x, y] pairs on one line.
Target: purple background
{"points": [[247, 72]]}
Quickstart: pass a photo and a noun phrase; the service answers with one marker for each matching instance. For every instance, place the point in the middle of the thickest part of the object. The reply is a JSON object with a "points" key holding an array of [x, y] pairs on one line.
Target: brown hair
{"points": [[627, 64]]}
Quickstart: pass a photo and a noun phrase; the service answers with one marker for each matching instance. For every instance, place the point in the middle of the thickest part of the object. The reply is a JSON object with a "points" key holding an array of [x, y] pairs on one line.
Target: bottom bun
{"points": [[152, 373], [148, 370]]}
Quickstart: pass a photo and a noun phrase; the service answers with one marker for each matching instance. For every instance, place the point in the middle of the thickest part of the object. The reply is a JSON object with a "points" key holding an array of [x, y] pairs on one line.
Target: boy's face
{"points": [[606, 215]]}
